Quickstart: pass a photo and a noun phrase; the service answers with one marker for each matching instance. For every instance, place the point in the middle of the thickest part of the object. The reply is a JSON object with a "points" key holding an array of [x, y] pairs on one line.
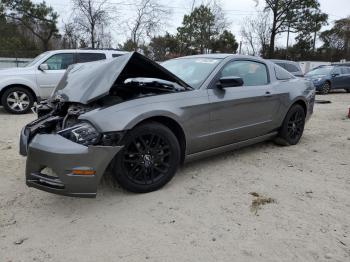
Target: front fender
{"points": [[12, 80], [109, 120]]}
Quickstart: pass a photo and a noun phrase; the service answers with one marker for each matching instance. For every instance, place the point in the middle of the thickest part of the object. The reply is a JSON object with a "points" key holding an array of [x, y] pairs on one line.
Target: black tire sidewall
{"points": [[20, 89], [153, 128], [283, 136]]}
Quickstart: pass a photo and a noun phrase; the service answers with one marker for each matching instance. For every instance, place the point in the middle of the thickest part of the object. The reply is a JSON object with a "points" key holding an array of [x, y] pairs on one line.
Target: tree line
{"points": [[28, 28]]}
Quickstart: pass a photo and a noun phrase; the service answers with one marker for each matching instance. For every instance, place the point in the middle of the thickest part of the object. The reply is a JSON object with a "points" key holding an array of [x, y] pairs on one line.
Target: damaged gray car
{"points": [[141, 120]]}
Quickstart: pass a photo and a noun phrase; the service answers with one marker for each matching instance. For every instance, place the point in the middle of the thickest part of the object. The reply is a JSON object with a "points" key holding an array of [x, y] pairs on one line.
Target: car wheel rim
{"points": [[295, 125], [147, 159], [326, 87], [18, 101]]}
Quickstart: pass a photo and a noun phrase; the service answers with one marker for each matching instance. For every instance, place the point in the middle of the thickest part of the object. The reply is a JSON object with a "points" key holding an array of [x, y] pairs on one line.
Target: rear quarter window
{"points": [[282, 74], [345, 70]]}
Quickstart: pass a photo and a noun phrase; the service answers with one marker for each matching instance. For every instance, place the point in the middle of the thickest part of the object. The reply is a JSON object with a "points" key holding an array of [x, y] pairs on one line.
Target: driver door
{"points": [[243, 112], [57, 64]]}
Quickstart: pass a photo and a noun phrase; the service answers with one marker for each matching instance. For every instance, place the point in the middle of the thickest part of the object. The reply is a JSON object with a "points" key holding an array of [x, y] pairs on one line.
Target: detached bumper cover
{"points": [[62, 156]]}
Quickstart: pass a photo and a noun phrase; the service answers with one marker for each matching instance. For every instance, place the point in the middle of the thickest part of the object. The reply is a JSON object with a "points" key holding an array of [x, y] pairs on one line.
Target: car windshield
{"points": [[194, 71], [320, 71], [36, 59]]}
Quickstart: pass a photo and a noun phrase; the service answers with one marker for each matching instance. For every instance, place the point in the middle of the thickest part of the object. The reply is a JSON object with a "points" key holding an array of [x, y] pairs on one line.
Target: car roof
{"points": [[282, 61], [222, 56], [87, 51]]}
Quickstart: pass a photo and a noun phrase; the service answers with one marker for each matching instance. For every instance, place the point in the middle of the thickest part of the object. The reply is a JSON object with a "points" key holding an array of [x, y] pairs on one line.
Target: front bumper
{"points": [[62, 156], [318, 86]]}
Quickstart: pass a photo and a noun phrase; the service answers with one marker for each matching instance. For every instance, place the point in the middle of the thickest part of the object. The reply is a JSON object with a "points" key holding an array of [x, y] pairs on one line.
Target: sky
{"points": [[235, 11]]}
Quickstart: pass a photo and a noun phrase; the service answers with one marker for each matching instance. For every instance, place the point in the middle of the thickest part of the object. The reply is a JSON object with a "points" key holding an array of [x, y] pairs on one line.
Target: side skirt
{"points": [[230, 147]]}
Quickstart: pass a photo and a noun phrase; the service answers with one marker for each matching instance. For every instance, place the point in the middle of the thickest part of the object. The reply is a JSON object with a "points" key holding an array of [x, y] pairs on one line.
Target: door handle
{"points": [[268, 94]]}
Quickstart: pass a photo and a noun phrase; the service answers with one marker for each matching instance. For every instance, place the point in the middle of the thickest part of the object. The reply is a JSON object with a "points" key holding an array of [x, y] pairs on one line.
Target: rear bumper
{"points": [[62, 156]]}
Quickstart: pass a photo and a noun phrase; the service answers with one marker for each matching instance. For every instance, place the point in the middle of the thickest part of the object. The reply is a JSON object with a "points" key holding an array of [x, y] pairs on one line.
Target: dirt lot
{"points": [[204, 214]]}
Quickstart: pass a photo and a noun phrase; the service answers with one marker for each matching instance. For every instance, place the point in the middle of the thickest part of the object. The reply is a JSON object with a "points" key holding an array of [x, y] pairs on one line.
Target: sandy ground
{"points": [[203, 214]]}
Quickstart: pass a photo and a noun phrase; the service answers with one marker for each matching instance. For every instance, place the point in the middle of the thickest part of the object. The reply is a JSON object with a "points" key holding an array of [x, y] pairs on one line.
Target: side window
{"points": [[345, 70], [90, 57], [282, 74], [252, 73], [60, 61], [116, 55], [337, 71]]}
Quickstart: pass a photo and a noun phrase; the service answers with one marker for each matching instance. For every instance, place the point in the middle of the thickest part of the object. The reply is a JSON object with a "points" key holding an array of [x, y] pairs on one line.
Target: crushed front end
{"points": [[64, 155]]}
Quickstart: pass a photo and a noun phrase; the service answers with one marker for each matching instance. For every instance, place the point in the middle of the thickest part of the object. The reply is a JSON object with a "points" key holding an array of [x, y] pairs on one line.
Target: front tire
{"points": [[326, 88], [149, 159], [347, 90], [17, 100], [293, 126]]}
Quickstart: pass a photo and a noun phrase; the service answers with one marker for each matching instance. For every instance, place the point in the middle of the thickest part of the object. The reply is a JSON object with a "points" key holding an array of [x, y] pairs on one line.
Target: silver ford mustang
{"points": [[141, 120]]}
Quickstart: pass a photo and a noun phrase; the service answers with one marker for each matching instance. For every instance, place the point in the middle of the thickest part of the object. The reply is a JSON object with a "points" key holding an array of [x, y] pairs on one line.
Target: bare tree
{"points": [[256, 33], [71, 36], [148, 20], [221, 23], [92, 17]]}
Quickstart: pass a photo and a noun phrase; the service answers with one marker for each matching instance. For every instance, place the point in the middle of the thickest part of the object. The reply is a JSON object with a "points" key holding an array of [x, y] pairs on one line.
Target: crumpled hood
{"points": [[87, 82]]}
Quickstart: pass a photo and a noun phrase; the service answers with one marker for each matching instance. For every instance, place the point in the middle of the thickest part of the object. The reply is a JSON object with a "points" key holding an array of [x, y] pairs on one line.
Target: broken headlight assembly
{"points": [[83, 133]]}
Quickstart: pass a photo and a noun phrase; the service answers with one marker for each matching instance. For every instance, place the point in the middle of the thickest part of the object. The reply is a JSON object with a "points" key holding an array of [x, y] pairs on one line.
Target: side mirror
{"points": [[230, 81], [335, 74], [43, 67]]}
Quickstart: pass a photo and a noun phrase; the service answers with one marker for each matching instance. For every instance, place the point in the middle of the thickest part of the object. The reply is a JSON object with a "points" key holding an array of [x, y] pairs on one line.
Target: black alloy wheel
{"points": [[296, 125], [149, 159], [293, 126]]}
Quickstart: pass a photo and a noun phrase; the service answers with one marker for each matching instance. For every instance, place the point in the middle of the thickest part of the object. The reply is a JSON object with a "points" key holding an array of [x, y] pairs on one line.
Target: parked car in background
{"points": [[291, 66], [341, 64], [307, 66], [21, 87], [142, 120], [327, 78]]}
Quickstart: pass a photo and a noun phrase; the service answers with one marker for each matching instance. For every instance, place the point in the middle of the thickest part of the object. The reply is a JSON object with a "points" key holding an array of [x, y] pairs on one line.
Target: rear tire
{"points": [[17, 100], [293, 127], [149, 159], [326, 88]]}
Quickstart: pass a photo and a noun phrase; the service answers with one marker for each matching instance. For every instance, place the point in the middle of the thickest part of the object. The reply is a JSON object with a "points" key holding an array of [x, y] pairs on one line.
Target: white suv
{"points": [[21, 87]]}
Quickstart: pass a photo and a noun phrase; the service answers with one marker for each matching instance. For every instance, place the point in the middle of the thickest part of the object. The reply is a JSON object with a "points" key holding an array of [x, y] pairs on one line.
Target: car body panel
{"points": [[19, 76], [212, 119]]}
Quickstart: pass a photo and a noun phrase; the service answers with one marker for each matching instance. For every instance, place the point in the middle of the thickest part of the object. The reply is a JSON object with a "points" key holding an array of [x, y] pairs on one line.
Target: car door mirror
{"points": [[43, 67], [230, 81]]}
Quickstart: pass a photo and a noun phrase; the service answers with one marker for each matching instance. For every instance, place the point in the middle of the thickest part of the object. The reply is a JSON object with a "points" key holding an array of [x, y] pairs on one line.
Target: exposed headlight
{"points": [[82, 133]]}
